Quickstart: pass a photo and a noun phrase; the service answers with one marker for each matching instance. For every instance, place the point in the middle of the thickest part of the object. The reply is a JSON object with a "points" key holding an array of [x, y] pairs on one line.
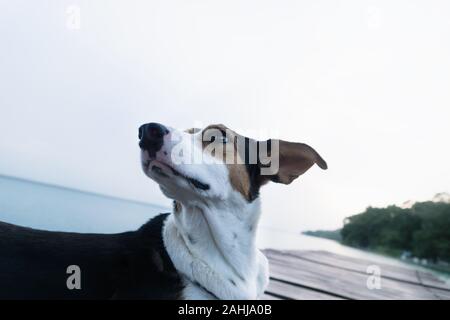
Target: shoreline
{"points": [[444, 274]]}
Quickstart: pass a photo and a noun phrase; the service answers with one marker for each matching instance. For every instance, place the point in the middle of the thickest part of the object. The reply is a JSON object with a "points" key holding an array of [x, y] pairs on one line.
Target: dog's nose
{"points": [[151, 136]]}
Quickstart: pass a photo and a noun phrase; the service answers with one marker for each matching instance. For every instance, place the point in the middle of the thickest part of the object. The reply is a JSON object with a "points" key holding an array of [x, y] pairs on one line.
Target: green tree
{"points": [[424, 229]]}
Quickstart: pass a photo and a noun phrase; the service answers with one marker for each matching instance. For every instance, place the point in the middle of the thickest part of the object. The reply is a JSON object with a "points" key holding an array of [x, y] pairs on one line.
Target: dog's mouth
{"points": [[156, 168]]}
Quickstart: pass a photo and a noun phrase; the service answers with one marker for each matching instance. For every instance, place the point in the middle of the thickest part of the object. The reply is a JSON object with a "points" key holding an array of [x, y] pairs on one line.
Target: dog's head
{"points": [[217, 164]]}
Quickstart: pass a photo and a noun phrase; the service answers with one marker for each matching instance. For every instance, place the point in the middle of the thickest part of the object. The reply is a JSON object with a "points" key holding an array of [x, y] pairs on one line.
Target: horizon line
{"points": [[88, 192]]}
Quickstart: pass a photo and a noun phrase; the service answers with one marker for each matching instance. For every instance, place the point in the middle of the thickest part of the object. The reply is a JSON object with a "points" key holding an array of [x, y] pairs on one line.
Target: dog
{"points": [[204, 249]]}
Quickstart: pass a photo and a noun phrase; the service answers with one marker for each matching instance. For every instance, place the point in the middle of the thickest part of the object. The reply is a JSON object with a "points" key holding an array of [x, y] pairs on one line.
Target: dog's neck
{"points": [[213, 247]]}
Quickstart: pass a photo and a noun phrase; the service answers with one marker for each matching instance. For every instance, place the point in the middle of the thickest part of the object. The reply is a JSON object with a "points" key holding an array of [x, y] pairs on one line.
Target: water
{"points": [[49, 207], [56, 208]]}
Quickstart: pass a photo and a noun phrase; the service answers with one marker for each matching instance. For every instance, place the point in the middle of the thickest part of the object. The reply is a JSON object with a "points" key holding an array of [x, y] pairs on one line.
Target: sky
{"points": [[366, 83]]}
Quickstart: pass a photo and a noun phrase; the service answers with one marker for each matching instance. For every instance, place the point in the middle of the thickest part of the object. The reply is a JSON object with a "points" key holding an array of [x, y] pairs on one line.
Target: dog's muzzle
{"points": [[151, 137]]}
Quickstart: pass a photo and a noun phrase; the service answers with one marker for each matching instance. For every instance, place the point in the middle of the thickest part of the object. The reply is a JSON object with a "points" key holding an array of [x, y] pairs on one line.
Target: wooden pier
{"points": [[317, 275]]}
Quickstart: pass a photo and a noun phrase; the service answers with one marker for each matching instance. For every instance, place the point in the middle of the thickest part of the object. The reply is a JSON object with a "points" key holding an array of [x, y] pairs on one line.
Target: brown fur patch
{"points": [[239, 178]]}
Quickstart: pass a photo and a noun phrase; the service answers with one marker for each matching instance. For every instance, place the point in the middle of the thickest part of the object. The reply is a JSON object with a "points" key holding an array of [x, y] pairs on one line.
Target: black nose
{"points": [[151, 137]]}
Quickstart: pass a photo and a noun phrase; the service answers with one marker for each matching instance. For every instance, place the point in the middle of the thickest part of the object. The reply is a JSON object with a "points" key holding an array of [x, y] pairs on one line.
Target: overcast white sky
{"points": [[366, 83]]}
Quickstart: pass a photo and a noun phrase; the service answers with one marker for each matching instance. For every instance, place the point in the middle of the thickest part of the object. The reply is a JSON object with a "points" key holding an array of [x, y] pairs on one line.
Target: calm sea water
{"points": [[49, 207]]}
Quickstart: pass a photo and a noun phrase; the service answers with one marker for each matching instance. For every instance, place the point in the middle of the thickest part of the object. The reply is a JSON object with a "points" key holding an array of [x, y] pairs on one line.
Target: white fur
{"points": [[217, 259], [212, 240]]}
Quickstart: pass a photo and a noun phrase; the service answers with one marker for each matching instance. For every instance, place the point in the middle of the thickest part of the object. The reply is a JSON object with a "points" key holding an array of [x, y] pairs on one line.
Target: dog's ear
{"points": [[294, 159]]}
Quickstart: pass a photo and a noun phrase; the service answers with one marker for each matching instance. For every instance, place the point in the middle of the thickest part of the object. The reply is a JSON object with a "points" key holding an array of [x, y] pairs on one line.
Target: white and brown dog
{"points": [[204, 249], [214, 176]]}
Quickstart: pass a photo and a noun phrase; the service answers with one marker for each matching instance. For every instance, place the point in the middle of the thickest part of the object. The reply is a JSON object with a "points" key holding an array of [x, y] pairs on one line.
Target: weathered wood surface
{"points": [[314, 275]]}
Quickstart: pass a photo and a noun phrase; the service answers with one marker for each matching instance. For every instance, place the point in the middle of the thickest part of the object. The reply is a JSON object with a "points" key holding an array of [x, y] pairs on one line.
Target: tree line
{"points": [[423, 230]]}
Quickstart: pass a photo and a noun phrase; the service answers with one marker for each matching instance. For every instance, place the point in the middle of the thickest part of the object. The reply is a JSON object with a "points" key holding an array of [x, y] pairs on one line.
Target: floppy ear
{"points": [[294, 160]]}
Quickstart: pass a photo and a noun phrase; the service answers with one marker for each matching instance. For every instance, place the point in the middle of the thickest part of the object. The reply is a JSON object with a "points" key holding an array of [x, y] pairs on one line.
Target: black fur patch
{"points": [[254, 172], [129, 265]]}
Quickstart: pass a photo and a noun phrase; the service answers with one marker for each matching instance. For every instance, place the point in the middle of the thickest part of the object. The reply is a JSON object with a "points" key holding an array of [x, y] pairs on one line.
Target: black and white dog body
{"points": [[204, 249]]}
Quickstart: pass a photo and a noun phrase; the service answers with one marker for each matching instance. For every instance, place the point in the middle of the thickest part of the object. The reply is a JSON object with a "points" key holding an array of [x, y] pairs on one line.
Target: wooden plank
{"points": [[440, 294], [353, 264], [345, 283], [296, 292], [397, 271], [267, 296], [312, 280], [406, 273], [429, 280]]}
